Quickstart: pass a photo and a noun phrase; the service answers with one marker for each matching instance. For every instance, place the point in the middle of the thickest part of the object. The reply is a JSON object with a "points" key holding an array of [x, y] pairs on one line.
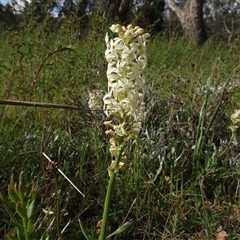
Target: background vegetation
{"points": [[169, 189]]}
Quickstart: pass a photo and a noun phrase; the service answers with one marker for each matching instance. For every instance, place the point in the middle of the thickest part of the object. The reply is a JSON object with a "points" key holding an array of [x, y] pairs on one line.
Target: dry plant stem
{"points": [[41, 66], [45, 105], [107, 201]]}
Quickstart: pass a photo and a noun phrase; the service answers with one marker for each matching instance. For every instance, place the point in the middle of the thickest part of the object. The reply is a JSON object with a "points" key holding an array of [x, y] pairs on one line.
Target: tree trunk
{"points": [[191, 19], [119, 9], [123, 10]]}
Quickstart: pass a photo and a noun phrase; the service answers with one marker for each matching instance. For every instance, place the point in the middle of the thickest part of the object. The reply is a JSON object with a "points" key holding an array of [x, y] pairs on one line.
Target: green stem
{"points": [[108, 198], [57, 206], [106, 207], [25, 223]]}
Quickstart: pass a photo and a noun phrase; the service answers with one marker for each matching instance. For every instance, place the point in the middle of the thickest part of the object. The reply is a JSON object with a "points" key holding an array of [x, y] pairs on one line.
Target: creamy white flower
{"points": [[134, 100], [115, 28], [139, 82], [235, 117], [122, 68], [120, 129], [111, 55], [126, 56], [130, 34], [139, 47], [107, 40], [135, 130], [95, 101], [124, 86], [145, 37], [139, 65], [110, 132], [140, 31], [114, 108], [116, 44], [114, 150], [130, 26], [109, 124], [114, 47]]}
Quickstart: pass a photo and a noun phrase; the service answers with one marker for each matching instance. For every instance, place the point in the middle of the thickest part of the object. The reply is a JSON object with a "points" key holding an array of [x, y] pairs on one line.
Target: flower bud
{"points": [[140, 31]]}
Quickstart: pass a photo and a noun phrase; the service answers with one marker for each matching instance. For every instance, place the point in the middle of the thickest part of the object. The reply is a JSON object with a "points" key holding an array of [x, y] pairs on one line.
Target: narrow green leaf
{"points": [[15, 188], [27, 190], [122, 229], [12, 183], [84, 231], [33, 194], [20, 234], [21, 211], [50, 225], [44, 237], [30, 209], [12, 224], [11, 215], [21, 179], [65, 226], [3, 199], [12, 194], [21, 192]]}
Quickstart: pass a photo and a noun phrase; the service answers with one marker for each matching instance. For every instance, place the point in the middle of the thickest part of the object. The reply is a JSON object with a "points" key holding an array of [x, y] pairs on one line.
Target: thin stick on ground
{"points": [[63, 175]]}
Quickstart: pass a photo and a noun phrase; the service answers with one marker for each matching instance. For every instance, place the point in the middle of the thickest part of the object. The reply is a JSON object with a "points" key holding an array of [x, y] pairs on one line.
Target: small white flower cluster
{"points": [[95, 101], [126, 56], [235, 118]]}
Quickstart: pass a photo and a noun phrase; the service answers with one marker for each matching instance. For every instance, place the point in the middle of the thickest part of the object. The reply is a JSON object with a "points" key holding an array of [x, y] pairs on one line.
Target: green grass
{"points": [[168, 193]]}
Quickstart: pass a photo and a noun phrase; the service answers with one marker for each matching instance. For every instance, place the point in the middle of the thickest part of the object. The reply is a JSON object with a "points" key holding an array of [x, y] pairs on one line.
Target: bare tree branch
{"points": [[176, 9]]}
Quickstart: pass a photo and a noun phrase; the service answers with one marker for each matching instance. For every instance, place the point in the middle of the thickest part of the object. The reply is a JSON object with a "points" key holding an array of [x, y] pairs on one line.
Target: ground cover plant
{"points": [[181, 182]]}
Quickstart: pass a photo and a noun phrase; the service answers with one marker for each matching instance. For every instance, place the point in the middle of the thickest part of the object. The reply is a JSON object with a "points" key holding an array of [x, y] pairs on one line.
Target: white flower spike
{"points": [[126, 56]]}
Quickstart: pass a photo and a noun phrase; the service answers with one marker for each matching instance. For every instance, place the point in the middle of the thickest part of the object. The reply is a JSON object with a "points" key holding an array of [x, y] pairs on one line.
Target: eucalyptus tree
{"points": [[190, 15]]}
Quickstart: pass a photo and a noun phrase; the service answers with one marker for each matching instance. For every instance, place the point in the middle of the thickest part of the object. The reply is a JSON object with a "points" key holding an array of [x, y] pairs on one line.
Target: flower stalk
{"points": [[108, 199]]}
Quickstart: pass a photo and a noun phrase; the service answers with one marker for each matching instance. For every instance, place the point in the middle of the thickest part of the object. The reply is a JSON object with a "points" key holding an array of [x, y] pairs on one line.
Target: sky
{"points": [[4, 2], [20, 4]]}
